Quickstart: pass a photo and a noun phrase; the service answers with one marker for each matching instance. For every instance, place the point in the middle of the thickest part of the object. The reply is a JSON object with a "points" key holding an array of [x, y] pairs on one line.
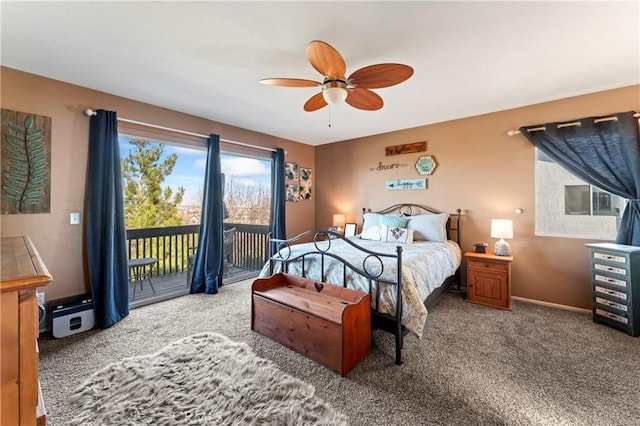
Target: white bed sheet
{"points": [[425, 266]]}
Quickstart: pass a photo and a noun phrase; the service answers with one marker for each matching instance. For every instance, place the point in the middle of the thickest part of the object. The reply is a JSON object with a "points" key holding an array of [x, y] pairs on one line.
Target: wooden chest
{"points": [[328, 324]]}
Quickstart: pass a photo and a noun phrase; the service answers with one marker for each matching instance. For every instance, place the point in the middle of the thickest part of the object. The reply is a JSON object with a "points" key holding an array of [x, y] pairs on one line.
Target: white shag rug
{"points": [[204, 379]]}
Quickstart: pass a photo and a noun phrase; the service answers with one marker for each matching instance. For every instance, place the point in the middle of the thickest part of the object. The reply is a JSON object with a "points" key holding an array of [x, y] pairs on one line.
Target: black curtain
{"points": [[602, 152], [277, 220], [106, 241], [208, 269]]}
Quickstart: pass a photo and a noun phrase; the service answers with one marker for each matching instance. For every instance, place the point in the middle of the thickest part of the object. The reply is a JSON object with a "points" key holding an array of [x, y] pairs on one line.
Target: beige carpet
{"points": [[474, 365]]}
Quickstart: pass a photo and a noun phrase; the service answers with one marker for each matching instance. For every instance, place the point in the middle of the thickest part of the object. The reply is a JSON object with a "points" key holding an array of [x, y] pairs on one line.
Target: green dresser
{"points": [[615, 277]]}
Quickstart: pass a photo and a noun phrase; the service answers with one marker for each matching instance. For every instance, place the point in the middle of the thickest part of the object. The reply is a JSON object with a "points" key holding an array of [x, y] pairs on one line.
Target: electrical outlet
{"points": [[74, 218], [40, 297]]}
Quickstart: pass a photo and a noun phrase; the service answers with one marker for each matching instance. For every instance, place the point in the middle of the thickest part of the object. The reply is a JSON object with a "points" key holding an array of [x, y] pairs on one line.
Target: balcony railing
{"points": [[172, 246]]}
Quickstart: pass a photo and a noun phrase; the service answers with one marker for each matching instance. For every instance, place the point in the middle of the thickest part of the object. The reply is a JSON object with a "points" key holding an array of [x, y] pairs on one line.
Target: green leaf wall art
{"points": [[25, 163]]}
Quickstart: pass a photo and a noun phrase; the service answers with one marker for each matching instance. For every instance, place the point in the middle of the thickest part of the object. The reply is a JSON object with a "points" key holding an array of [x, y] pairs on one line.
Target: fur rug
{"points": [[202, 379]]}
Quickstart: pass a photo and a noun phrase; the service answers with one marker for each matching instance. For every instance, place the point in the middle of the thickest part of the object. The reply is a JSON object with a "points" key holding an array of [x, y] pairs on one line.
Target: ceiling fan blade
{"points": [[290, 82], [326, 60], [364, 99], [315, 103], [380, 75]]}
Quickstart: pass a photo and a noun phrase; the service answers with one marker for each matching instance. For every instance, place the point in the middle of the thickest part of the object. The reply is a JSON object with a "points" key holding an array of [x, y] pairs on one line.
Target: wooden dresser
{"points": [[22, 272], [615, 281]]}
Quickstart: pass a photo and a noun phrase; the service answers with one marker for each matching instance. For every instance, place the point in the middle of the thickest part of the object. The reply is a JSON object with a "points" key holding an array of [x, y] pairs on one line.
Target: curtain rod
{"points": [[575, 123], [89, 112]]}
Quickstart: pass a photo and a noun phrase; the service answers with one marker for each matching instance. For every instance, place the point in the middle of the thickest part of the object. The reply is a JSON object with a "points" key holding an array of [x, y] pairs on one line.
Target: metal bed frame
{"points": [[280, 252]]}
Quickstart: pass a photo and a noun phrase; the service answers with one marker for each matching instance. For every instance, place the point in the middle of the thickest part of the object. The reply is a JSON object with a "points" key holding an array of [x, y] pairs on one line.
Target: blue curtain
{"points": [[277, 218], [208, 269], [603, 153], [106, 239]]}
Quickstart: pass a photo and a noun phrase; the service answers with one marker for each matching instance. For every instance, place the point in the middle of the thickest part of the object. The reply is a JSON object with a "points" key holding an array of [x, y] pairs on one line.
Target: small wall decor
{"points": [[426, 165], [305, 183], [391, 166], [297, 182], [408, 148], [401, 184], [25, 164], [292, 181]]}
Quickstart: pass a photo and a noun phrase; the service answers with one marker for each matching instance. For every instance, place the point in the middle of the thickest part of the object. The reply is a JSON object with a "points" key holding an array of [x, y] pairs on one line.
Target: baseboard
{"points": [[551, 305]]}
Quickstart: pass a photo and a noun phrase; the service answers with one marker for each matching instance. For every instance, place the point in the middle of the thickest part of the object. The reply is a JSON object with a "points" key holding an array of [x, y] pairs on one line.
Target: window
{"points": [[568, 207], [162, 183], [247, 188]]}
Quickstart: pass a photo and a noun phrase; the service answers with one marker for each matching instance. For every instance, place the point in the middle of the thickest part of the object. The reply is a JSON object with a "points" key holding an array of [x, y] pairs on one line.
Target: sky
{"points": [[190, 167]]}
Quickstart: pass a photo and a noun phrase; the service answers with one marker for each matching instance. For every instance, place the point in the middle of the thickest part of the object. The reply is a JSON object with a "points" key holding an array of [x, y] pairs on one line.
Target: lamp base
{"points": [[502, 248]]}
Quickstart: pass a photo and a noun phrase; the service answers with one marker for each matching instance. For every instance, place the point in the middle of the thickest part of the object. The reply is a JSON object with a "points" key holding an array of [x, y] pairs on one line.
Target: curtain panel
{"points": [[106, 240], [603, 152], [208, 268], [277, 219]]}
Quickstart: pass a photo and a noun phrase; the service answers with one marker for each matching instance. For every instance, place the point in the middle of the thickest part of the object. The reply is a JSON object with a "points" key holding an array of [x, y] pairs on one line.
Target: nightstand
{"points": [[489, 279]]}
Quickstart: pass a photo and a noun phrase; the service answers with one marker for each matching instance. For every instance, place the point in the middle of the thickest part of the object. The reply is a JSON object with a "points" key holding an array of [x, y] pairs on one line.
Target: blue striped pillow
{"points": [[393, 221]]}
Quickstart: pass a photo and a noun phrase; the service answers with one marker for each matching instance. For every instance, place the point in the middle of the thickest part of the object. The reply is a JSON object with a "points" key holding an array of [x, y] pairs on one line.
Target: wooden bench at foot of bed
{"points": [[328, 324]]}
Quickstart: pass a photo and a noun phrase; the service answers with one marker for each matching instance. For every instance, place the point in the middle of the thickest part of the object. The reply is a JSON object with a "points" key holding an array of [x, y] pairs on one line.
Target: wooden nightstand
{"points": [[489, 279]]}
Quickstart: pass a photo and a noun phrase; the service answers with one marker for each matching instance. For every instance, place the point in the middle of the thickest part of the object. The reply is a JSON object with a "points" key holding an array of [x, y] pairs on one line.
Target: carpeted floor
{"points": [[474, 365]]}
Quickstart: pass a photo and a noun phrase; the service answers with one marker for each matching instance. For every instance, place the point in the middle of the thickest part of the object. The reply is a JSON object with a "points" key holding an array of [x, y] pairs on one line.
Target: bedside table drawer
{"points": [[610, 269], [487, 265], [610, 257], [611, 304], [600, 278], [622, 319], [609, 292]]}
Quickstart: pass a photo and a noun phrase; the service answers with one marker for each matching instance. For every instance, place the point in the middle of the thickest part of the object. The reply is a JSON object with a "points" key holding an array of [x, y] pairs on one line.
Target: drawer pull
{"points": [[609, 280], [613, 293]]}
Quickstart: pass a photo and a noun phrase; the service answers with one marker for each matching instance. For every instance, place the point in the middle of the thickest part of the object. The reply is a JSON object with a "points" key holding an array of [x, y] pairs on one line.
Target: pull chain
{"points": [[329, 115]]}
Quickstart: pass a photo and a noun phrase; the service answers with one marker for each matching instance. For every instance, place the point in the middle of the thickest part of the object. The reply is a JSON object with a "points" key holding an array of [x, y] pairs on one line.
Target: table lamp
{"points": [[502, 228]]}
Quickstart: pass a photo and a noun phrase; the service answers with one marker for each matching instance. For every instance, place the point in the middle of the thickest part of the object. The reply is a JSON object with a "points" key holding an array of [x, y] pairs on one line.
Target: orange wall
{"points": [[482, 171], [61, 244]]}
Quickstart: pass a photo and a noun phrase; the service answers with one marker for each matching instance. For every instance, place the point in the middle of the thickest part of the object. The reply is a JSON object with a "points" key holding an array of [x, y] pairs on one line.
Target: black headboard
{"points": [[407, 209]]}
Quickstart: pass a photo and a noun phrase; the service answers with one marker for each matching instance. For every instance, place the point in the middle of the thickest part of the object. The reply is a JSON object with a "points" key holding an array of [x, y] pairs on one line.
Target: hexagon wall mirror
{"points": [[426, 165]]}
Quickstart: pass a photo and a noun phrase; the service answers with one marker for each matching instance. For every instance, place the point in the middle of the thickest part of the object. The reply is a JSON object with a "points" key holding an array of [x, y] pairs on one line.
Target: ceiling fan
{"points": [[336, 88]]}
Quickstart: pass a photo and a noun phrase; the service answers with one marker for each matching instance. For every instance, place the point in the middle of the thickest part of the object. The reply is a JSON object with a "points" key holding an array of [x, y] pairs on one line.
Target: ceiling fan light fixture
{"points": [[334, 92]]}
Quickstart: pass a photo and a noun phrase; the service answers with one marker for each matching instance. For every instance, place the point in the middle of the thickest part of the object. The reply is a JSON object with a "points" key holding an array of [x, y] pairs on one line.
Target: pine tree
{"points": [[146, 203]]}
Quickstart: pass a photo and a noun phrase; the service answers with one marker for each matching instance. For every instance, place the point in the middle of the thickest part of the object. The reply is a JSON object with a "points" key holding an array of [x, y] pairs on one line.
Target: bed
{"points": [[405, 250]]}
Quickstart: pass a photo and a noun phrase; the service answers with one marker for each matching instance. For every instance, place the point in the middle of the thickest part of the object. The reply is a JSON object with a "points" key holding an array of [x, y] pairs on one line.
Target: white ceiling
{"points": [[206, 58]]}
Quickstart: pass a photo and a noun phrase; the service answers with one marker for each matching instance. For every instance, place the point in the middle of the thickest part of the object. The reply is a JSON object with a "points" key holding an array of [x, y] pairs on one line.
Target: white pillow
{"points": [[429, 227], [371, 233], [370, 220]]}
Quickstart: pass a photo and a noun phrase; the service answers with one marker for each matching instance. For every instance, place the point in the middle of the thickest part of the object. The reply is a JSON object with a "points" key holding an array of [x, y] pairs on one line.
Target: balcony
{"points": [[171, 246]]}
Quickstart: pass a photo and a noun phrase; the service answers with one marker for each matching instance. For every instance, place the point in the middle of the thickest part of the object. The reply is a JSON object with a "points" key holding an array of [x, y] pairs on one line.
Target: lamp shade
{"points": [[338, 220], [334, 95], [501, 228]]}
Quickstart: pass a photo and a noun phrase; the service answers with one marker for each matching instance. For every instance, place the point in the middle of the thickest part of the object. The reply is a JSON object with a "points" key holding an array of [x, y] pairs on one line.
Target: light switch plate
{"points": [[74, 218]]}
